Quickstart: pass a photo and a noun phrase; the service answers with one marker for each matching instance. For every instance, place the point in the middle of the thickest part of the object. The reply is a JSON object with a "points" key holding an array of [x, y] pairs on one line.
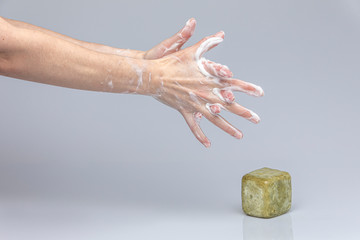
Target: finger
{"points": [[192, 119], [242, 86], [224, 125], [224, 95], [173, 43], [243, 112], [186, 32], [214, 108], [216, 69], [207, 43]]}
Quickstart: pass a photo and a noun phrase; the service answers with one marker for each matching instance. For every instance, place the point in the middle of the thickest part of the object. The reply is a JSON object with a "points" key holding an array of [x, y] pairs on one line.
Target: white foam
{"points": [[205, 46]]}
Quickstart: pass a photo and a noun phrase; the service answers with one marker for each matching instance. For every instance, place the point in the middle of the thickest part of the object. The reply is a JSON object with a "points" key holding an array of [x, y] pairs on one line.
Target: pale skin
{"points": [[179, 78]]}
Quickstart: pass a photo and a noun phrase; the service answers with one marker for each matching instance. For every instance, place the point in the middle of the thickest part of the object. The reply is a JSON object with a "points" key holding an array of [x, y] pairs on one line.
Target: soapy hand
{"points": [[197, 87]]}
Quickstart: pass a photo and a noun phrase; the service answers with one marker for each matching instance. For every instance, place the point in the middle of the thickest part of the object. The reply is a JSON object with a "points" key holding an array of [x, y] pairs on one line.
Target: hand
{"points": [[198, 87]]}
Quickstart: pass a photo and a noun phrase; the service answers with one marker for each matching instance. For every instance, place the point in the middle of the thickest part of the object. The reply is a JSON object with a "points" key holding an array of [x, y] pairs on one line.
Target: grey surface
{"points": [[85, 165]]}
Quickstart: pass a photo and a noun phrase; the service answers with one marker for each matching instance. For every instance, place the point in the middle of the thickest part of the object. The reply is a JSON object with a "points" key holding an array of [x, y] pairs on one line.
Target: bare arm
{"points": [[33, 55], [92, 46], [166, 47]]}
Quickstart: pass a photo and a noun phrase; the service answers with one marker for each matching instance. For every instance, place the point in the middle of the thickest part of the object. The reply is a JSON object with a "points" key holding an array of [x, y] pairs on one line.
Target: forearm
{"points": [[36, 56], [92, 46]]}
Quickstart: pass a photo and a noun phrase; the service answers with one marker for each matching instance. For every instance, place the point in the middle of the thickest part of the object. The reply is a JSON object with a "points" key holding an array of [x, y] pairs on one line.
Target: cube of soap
{"points": [[266, 193]]}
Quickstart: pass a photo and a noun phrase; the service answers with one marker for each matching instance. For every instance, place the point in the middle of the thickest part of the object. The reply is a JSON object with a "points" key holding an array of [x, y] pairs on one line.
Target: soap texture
{"points": [[266, 193]]}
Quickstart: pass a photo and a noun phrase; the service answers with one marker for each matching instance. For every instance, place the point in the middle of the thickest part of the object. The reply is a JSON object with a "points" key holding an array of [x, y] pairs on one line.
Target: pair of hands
{"points": [[195, 86]]}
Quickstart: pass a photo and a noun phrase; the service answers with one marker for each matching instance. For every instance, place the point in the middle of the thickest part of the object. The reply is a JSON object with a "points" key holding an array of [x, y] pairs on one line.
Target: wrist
{"points": [[155, 81], [129, 53], [133, 75]]}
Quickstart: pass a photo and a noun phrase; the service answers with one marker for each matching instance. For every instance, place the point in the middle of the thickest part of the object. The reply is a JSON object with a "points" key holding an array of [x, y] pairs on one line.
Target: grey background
{"points": [[86, 165]]}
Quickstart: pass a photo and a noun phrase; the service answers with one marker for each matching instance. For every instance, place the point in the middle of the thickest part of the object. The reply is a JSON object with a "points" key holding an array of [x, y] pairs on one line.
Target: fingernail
{"points": [[228, 96], [238, 135], [188, 22], [207, 144], [191, 20], [198, 115], [220, 34], [259, 91], [225, 72], [214, 109], [254, 117]]}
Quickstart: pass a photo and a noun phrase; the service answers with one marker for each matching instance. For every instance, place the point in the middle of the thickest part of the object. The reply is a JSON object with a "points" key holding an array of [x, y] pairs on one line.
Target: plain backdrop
{"points": [[87, 165]]}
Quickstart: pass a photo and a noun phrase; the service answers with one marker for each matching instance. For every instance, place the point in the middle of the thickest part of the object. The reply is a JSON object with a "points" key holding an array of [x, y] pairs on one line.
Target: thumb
{"points": [[174, 43]]}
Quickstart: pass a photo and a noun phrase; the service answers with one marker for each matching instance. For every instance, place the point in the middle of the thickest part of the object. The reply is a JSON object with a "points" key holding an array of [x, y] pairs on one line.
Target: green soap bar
{"points": [[266, 193]]}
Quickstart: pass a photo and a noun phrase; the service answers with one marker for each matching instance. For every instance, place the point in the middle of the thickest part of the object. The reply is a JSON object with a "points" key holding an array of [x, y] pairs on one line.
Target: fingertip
{"points": [[220, 34], [207, 144], [259, 92], [262, 93], [191, 23], [198, 115], [225, 72], [238, 135], [214, 109], [192, 26], [191, 20], [254, 117], [188, 30], [228, 96]]}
